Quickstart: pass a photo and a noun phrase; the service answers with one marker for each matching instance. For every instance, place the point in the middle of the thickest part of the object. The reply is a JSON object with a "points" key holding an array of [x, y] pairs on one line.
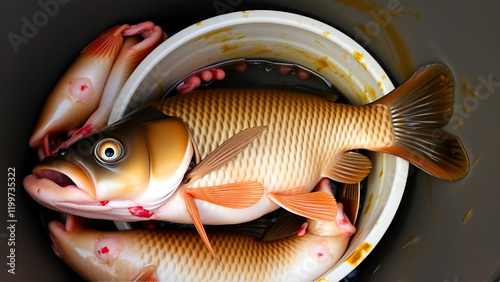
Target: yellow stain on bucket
{"points": [[238, 50], [245, 13], [371, 93], [357, 256], [380, 85], [217, 36], [319, 43], [358, 56], [369, 206], [358, 233], [321, 63], [326, 33], [229, 47]]}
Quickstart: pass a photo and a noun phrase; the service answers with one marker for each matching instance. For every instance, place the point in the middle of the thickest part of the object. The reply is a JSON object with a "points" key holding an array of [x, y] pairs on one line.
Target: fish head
{"points": [[136, 162], [93, 254]]}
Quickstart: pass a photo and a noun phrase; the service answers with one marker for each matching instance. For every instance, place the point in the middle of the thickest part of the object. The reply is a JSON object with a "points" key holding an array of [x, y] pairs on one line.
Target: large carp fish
{"points": [[304, 253], [226, 156]]}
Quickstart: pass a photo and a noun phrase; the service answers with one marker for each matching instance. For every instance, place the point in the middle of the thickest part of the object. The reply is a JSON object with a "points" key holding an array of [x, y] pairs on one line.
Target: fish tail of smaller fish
{"points": [[418, 108], [107, 44]]}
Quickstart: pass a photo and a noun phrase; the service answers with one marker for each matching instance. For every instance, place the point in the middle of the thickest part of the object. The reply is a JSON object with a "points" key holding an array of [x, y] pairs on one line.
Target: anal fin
{"points": [[349, 167], [233, 195], [315, 205]]}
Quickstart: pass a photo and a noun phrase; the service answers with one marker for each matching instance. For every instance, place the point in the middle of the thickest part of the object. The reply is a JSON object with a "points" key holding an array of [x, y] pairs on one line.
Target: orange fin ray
{"points": [[316, 205], [286, 225], [233, 195], [195, 217], [147, 274], [224, 153], [107, 44], [349, 167]]}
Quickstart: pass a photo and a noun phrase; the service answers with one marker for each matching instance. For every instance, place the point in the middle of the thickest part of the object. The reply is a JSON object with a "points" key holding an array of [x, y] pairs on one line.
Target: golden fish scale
{"points": [[304, 134], [183, 254]]}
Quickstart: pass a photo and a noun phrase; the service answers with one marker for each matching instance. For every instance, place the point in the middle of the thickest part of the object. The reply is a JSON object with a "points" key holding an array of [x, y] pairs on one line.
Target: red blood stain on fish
{"points": [[104, 250], [319, 251], [343, 222], [103, 203], [140, 212], [81, 89], [84, 130], [108, 248]]}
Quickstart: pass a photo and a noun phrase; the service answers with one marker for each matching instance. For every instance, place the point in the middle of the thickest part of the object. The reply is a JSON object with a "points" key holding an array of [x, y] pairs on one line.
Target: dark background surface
{"points": [[429, 239]]}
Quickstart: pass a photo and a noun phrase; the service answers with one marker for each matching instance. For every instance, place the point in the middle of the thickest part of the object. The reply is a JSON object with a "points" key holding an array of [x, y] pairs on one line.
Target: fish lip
{"points": [[55, 181], [51, 195], [56, 230], [61, 231], [65, 175]]}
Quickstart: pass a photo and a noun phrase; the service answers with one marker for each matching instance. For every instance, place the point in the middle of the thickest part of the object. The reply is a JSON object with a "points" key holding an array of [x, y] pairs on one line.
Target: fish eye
{"points": [[108, 150]]}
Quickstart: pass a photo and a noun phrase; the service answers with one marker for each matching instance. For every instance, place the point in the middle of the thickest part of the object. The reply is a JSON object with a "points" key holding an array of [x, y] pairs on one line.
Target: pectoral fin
{"points": [[315, 205], [349, 167], [195, 217], [234, 195], [224, 153]]}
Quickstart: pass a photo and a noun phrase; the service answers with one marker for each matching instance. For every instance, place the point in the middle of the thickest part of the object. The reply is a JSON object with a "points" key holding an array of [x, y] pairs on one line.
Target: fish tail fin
{"points": [[107, 44], [418, 108]]}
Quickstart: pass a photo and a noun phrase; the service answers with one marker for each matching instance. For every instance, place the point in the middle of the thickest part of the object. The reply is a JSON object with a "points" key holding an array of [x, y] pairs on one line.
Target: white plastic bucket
{"points": [[290, 38]]}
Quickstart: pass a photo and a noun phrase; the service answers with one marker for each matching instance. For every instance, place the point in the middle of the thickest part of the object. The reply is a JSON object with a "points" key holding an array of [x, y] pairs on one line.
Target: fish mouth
{"points": [[65, 175], [57, 177], [55, 181], [60, 232]]}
